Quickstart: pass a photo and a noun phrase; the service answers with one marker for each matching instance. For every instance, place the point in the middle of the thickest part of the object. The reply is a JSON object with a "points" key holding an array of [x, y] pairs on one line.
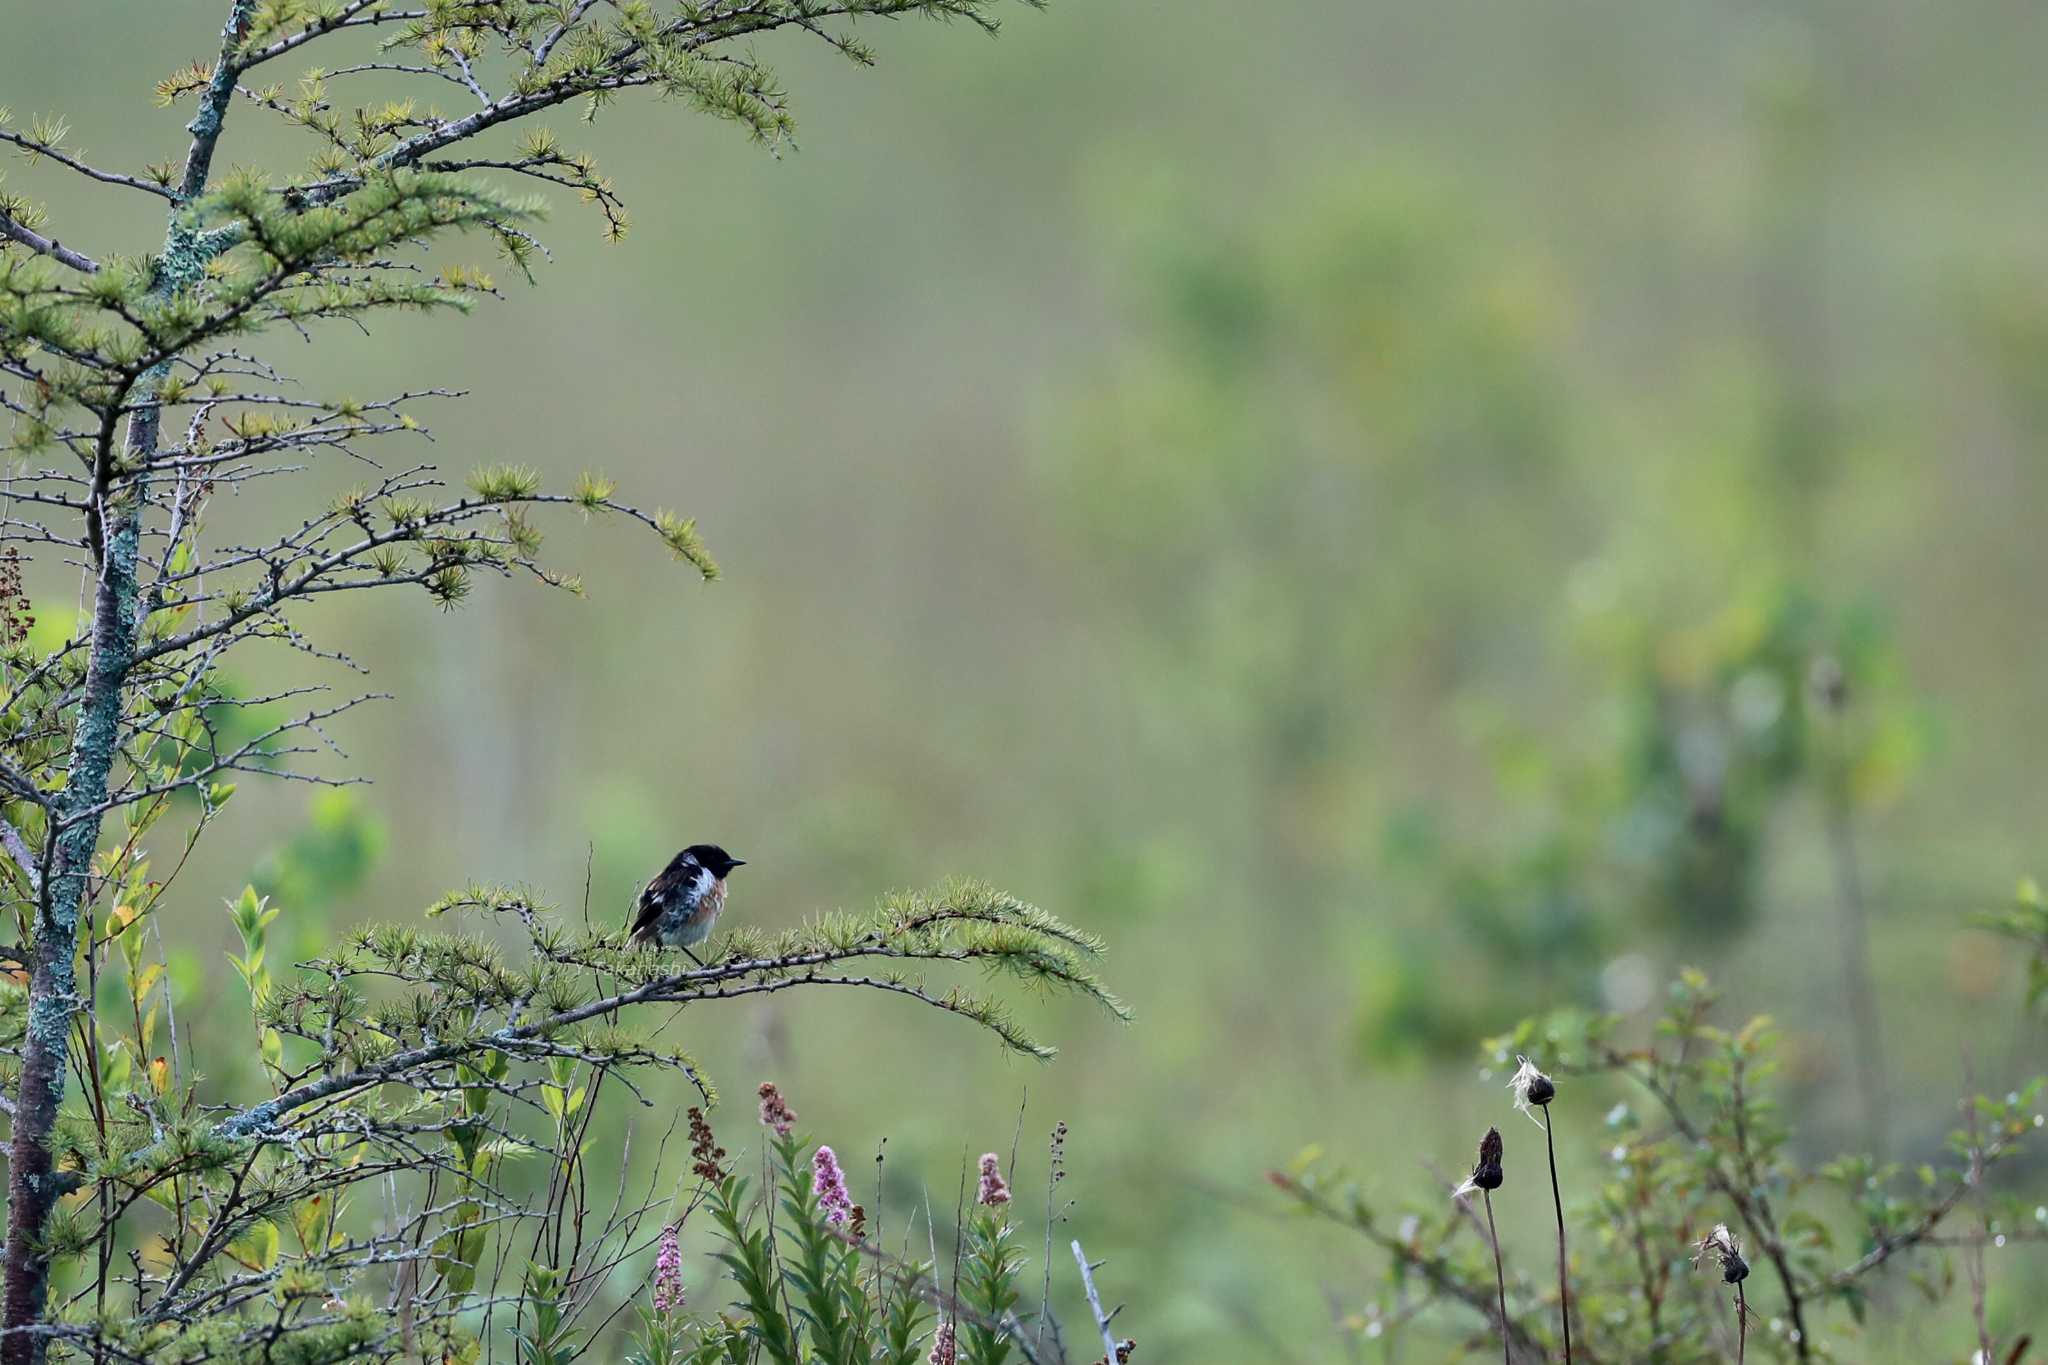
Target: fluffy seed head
{"points": [[1532, 1089], [1725, 1247]]}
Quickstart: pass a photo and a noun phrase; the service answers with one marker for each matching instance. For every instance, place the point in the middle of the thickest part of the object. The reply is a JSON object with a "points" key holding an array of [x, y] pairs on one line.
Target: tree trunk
{"points": [[33, 1184]]}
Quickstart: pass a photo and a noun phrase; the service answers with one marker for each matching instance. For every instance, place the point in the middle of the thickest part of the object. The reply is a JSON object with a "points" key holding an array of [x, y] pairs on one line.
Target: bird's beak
{"points": [[739, 862]]}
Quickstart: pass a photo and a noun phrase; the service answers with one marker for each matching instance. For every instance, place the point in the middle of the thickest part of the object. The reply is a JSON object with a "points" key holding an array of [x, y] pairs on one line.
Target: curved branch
{"points": [[89, 171], [47, 246]]}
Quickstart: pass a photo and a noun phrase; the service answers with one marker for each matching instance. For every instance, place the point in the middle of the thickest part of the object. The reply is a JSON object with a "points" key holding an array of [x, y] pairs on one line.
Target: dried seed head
{"points": [[1532, 1089], [1725, 1247], [1486, 1174], [708, 1158], [775, 1111]]}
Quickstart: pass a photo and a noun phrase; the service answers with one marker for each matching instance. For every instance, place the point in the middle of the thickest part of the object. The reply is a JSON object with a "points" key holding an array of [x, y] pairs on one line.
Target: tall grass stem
{"points": [[1564, 1297], [1500, 1279]]}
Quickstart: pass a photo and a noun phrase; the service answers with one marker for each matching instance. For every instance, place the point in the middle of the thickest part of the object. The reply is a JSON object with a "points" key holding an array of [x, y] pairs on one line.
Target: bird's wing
{"points": [[681, 870]]}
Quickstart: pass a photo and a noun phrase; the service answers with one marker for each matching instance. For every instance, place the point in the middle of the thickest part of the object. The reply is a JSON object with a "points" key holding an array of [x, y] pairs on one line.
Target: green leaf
{"points": [[257, 1248]]}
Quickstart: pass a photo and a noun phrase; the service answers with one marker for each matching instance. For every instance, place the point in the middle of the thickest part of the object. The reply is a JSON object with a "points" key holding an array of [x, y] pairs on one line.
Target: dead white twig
{"points": [[1102, 1319]]}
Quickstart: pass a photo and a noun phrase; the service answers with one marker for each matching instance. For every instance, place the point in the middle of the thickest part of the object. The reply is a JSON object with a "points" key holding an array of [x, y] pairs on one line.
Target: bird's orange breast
{"points": [[709, 906]]}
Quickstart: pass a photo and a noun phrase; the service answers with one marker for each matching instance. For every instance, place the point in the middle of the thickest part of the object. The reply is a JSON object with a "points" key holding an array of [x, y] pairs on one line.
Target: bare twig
{"points": [[47, 246], [1102, 1319]]}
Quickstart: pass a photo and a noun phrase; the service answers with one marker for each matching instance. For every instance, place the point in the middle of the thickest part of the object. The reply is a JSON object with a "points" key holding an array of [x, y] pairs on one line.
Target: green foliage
{"points": [[906, 1321], [252, 916], [544, 1337], [456, 1074], [750, 1259], [989, 1285], [822, 1271], [288, 1219], [409, 1048], [669, 1339], [798, 1268], [680, 534], [1693, 1136], [504, 483]]}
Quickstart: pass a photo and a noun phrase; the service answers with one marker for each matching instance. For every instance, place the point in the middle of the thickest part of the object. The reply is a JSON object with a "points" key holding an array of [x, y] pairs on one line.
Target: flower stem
{"points": [[1741, 1324], [1564, 1298], [1500, 1278]]}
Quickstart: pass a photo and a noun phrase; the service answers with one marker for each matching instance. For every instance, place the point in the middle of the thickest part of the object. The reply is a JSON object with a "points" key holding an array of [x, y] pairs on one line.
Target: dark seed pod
{"points": [[1541, 1090], [1487, 1175], [1734, 1270]]}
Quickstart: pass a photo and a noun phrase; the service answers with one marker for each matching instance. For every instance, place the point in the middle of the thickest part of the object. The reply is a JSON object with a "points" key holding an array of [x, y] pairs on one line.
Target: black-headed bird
{"points": [[680, 907]]}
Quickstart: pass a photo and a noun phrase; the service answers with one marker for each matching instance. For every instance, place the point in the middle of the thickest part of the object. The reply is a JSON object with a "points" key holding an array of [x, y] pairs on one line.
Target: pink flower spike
{"points": [[944, 1352], [668, 1272], [994, 1191], [828, 1182]]}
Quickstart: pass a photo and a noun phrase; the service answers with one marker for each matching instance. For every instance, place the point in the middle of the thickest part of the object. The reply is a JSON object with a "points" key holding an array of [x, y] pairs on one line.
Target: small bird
{"points": [[680, 906]]}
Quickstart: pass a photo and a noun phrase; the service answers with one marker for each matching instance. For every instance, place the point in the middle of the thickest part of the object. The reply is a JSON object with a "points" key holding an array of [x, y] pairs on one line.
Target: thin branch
{"points": [[65, 159], [18, 849], [47, 246], [1102, 1319], [350, 16]]}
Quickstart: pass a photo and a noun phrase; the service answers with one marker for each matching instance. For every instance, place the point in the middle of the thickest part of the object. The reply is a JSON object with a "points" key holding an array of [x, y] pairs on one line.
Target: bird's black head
{"points": [[714, 859]]}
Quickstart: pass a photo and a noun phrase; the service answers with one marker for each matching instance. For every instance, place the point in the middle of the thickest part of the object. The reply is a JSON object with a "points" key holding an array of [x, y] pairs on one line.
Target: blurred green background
{"points": [[1362, 504]]}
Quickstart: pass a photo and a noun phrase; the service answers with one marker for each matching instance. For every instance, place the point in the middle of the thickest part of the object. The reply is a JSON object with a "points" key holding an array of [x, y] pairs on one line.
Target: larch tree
{"points": [[137, 391]]}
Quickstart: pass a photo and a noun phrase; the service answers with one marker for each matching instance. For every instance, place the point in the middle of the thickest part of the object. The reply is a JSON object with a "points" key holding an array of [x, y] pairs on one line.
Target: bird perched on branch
{"points": [[680, 906]]}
